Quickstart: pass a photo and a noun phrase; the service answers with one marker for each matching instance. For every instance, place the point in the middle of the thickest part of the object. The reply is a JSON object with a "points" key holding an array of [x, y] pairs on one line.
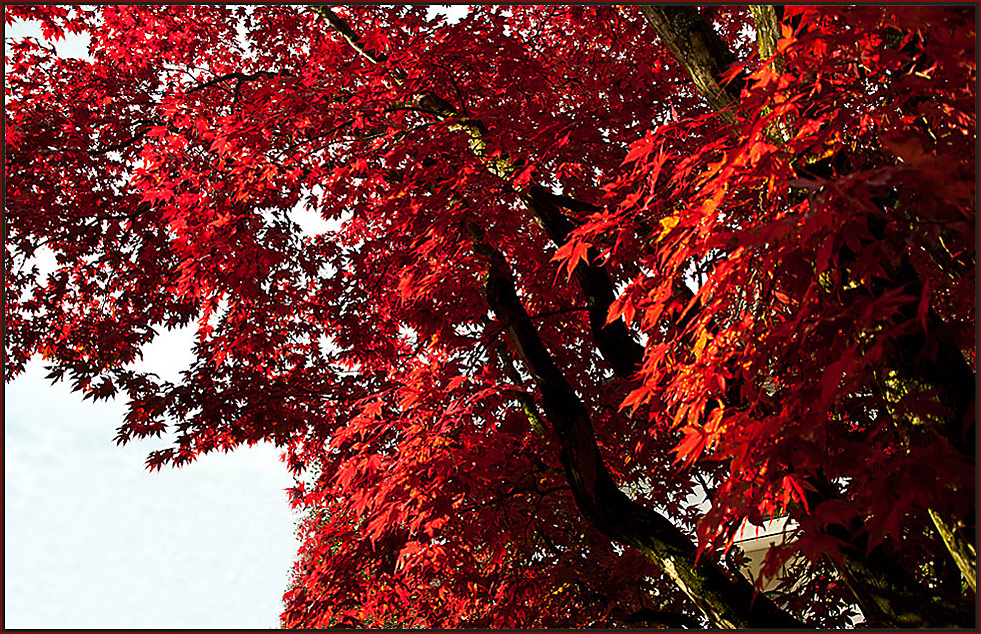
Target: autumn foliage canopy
{"points": [[601, 287]]}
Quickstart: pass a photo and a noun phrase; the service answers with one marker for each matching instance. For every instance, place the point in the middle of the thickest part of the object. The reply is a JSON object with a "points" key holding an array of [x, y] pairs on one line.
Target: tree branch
{"points": [[727, 603], [239, 78], [121, 145], [613, 340], [354, 40], [767, 32], [696, 45]]}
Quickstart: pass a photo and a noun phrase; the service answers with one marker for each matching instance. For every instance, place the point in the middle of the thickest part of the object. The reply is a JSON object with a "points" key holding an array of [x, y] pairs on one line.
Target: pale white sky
{"points": [[93, 540]]}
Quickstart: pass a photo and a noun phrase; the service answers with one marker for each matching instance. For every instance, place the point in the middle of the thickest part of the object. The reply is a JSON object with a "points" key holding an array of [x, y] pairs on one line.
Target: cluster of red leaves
{"points": [[164, 172], [827, 237]]}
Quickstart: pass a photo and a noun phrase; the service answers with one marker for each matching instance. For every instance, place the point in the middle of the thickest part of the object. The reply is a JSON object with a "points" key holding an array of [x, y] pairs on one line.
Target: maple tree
{"points": [[604, 285]]}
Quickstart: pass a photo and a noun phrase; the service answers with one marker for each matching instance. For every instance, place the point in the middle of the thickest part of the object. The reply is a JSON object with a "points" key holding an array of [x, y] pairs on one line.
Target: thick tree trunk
{"points": [[728, 603], [698, 48], [613, 340], [767, 30], [725, 602]]}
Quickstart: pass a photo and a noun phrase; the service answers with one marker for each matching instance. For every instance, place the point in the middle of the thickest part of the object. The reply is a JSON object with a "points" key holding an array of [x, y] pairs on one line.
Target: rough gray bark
{"points": [[767, 30], [697, 47]]}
